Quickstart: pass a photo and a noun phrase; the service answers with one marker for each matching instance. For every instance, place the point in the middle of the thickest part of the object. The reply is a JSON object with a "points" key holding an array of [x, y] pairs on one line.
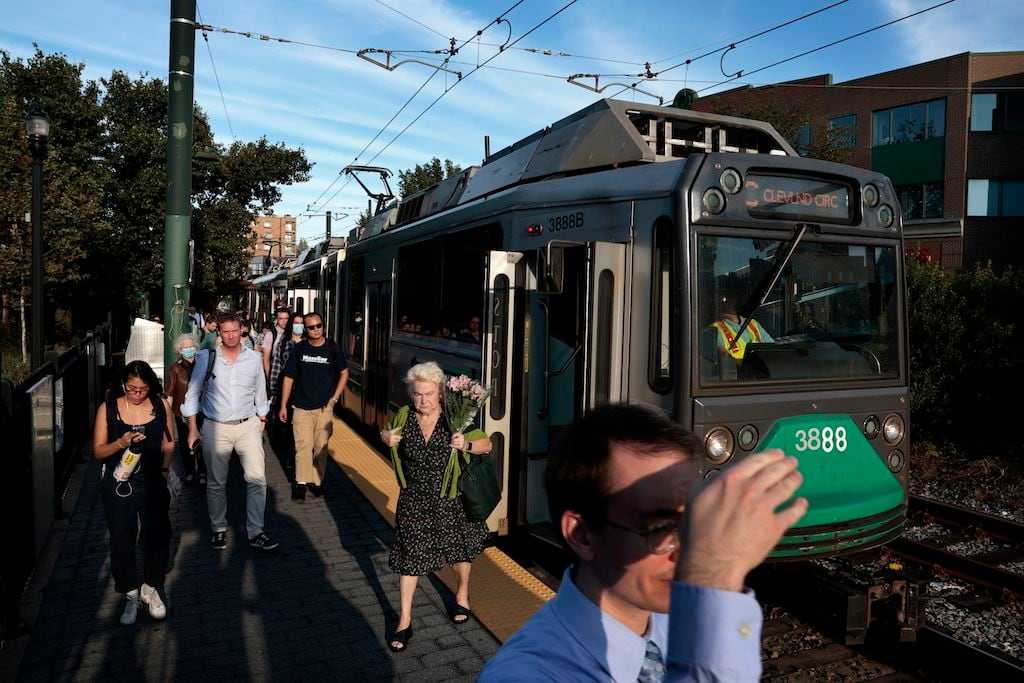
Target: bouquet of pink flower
{"points": [[463, 399]]}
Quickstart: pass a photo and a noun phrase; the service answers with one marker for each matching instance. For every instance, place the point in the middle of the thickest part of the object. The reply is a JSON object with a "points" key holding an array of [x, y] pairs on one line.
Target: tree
{"points": [[302, 246], [792, 123], [422, 176], [106, 185]]}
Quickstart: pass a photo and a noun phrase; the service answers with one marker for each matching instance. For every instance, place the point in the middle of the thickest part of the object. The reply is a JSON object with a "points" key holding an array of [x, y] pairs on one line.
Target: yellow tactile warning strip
{"points": [[503, 594]]}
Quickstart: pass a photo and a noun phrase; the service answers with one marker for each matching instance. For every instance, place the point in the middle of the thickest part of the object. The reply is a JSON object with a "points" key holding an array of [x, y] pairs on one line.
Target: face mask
{"points": [[188, 353], [297, 328]]}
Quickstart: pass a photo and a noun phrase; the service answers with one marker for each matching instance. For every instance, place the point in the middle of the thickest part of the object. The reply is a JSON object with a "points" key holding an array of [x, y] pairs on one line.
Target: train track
{"points": [[966, 525], [974, 548]]}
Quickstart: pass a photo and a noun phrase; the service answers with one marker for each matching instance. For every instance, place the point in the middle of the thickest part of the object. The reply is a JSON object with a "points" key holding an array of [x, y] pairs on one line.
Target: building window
{"points": [[995, 197], [843, 130], [921, 200], [1003, 112], [266, 224], [910, 123]]}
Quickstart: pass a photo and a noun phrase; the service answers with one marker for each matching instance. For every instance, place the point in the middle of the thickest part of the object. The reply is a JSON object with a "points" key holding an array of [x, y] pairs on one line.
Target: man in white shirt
{"points": [[233, 401]]}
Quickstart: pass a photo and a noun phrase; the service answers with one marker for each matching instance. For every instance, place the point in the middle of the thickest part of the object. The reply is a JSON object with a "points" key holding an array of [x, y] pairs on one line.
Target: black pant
{"points": [[282, 440], [148, 501]]}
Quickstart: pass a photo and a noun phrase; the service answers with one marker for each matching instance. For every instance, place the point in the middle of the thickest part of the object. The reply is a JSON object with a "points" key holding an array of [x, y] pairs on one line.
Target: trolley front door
{"points": [[605, 341], [378, 322], [498, 369]]}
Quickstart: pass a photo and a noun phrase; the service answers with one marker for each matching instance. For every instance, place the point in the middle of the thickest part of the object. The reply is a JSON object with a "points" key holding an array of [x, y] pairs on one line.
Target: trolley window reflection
{"points": [[832, 314]]}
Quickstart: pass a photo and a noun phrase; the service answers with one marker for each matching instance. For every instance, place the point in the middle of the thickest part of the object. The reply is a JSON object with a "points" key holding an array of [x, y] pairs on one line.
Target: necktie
{"points": [[653, 670]]}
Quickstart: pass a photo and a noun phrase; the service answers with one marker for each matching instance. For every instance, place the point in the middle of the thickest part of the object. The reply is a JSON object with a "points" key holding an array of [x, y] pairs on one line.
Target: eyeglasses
{"points": [[314, 327], [135, 390], [661, 539]]}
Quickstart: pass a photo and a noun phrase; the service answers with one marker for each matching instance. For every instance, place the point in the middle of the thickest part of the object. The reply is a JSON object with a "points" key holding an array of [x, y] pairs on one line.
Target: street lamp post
{"points": [[37, 129]]}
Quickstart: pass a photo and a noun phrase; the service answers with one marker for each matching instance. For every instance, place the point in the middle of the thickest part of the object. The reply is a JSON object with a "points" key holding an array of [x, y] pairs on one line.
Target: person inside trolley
{"points": [[729, 322]]}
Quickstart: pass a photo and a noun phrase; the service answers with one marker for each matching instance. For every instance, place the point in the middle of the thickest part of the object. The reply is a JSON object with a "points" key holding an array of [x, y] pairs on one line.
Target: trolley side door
{"points": [[501, 303], [605, 327]]}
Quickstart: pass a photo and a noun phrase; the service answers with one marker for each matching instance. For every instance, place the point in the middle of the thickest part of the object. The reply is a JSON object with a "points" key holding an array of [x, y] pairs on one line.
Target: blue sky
{"points": [[332, 103]]}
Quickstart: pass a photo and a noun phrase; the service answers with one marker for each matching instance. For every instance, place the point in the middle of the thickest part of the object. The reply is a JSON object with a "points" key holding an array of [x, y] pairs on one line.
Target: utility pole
{"points": [[178, 219], [328, 230], [37, 128]]}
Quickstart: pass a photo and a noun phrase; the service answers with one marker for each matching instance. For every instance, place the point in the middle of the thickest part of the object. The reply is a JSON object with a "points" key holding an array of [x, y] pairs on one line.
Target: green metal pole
{"points": [[177, 223]]}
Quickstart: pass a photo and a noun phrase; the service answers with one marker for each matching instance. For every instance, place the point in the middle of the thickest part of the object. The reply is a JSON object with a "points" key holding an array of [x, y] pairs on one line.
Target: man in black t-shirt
{"points": [[313, 380]]}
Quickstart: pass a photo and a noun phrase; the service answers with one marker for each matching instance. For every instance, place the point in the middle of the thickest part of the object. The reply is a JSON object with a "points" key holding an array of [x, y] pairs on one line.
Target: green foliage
{"points": [[105, 185], [965, 354], [422, 176]]}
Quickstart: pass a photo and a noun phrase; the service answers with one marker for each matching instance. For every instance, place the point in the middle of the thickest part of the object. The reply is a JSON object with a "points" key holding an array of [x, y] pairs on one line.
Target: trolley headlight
{"points": [[870, 194], [747, 437], [731, 181], [713, 200], [871, 427], [719, 445], [885, 215], [895, 461], [893, 429]]}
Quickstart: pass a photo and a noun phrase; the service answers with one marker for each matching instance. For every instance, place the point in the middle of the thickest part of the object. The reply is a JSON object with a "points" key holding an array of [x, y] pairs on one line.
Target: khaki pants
{"points": [[246, 439], [312, 430]]}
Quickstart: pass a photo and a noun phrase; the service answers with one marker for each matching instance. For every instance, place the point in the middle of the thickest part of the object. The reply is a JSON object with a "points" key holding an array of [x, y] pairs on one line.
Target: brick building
{"points": [[273, 237], [949, 133]]}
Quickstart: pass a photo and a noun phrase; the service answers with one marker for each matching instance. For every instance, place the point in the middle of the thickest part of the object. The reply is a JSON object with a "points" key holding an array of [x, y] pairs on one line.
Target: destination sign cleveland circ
{"points": [[794, 198]]}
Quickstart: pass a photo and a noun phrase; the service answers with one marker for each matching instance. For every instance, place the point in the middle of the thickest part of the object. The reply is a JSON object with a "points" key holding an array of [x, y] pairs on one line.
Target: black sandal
{"points": [[460, 611], [402, 637]]}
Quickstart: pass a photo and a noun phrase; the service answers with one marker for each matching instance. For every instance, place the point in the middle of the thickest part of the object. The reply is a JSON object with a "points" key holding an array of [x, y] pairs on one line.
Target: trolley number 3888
{"points": [[826, 439]]}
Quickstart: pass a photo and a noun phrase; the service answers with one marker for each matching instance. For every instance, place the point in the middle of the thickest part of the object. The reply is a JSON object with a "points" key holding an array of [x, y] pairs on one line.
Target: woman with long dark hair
{"points": [[134, 437]]}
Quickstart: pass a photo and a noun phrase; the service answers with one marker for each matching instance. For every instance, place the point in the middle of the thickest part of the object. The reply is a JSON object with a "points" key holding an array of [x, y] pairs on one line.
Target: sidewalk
{"points": [[316, 608]]}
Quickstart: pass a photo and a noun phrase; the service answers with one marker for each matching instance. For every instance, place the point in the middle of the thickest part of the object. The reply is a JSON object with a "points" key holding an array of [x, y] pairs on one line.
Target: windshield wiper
{"points": [[751, 305]]}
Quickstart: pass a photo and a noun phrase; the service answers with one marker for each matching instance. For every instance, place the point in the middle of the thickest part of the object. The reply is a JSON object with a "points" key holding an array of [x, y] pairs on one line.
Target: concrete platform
{"points": [[319, 608]]}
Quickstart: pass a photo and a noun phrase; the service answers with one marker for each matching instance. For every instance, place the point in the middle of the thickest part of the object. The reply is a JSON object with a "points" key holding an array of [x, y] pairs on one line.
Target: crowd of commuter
{"points": [[656, 591]]}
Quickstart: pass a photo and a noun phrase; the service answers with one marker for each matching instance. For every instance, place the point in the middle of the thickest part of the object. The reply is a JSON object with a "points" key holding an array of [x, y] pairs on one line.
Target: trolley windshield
{"points": [[832, 314]]}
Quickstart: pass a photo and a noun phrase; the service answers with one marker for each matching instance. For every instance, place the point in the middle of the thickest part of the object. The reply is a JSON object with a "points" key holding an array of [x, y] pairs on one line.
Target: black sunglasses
{"points": [[314, 327]]}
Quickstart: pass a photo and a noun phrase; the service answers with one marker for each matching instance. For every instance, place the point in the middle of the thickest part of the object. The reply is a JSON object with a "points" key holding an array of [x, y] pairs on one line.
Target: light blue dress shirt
{"points": [[235, 391], [710, 635]]}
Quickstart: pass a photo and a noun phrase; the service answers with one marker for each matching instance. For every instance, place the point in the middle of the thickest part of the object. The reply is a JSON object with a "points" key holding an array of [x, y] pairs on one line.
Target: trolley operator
{"points": [[729, 323]]}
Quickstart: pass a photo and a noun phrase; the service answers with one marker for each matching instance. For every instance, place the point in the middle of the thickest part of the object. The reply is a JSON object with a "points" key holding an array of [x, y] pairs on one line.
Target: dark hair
{"points": [[140, 370], [312, 314], [229, 317], [577, 470], [282, 309]]}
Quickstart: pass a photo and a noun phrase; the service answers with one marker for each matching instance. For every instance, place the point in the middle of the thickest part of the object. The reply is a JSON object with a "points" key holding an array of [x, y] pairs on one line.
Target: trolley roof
{"points": [[606, 135]]}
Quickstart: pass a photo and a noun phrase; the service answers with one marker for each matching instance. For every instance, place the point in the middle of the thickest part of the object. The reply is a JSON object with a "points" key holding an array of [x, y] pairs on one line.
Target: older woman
{"points": [[177, 385], [431, 529]]}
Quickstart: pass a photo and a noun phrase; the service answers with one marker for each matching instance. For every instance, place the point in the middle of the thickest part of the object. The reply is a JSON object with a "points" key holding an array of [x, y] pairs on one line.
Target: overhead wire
{"points": [[548, 52], [456, 83], [437, 70], [831, 44], [216, 76]]}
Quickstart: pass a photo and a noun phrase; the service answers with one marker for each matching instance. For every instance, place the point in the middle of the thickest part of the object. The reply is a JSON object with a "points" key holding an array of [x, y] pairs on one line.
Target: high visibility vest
{"points": [[727, 336]]}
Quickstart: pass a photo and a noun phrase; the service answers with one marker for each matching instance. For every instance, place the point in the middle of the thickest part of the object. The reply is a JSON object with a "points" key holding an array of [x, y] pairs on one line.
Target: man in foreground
{"points": [[232, 397], [618, 488]]}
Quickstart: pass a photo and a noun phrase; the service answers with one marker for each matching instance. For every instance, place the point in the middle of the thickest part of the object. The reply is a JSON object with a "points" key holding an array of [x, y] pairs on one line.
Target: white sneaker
{"points": [[131, 607], [151, 597]]}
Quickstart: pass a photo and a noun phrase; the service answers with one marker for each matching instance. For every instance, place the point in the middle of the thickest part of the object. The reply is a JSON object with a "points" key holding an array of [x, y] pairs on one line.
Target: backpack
{"points": [[211, 355]]}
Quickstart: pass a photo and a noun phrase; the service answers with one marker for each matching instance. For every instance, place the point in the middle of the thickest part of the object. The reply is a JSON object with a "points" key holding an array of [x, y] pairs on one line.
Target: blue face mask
{"points": [[188, 353], [298, 328]]}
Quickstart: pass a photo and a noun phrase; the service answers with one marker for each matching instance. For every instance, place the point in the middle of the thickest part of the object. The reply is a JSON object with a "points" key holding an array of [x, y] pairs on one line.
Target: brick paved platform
{"points": [[315, 609]]}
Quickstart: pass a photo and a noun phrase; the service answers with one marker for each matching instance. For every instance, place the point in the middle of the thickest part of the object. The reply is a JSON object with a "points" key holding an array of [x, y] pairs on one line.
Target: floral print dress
{"points": [[431, 532]]}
